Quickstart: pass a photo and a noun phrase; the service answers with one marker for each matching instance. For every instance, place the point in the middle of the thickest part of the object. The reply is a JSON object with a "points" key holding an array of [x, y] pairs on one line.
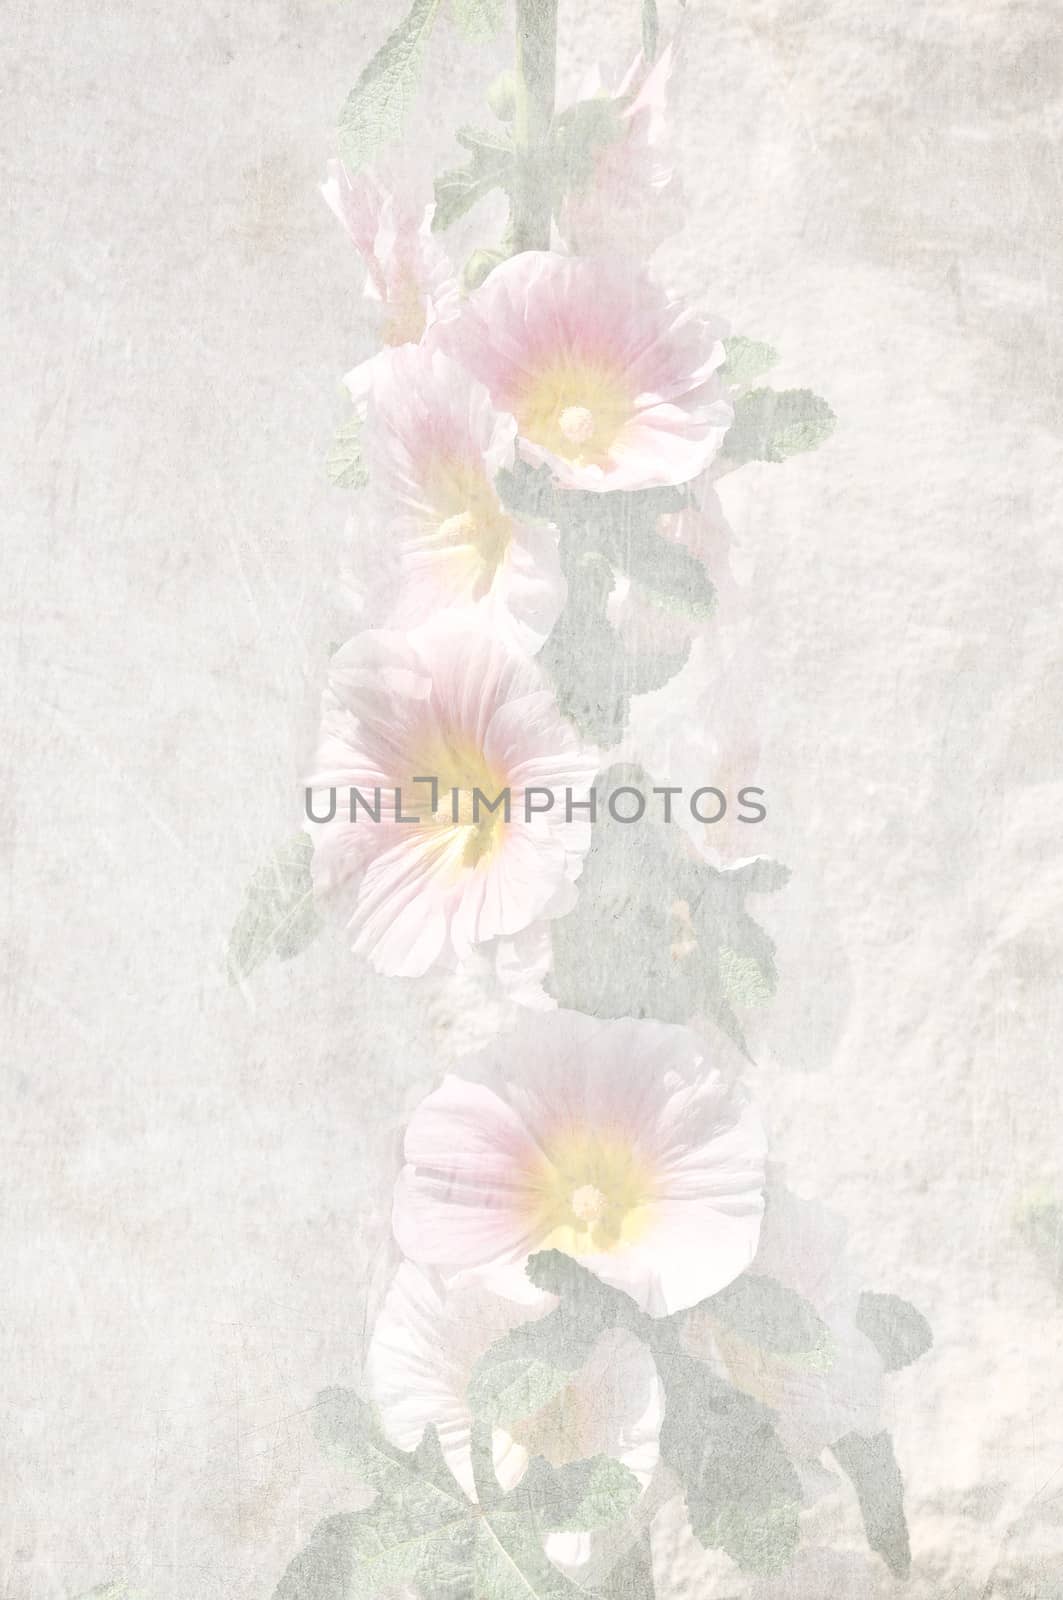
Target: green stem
{"points": [[536, 73]]}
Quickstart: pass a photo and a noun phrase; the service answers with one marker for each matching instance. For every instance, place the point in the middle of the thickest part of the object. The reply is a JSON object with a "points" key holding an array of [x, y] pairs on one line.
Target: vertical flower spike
{"points": [[612, 383], [618, 1143], [439, 535], [436, 727]]}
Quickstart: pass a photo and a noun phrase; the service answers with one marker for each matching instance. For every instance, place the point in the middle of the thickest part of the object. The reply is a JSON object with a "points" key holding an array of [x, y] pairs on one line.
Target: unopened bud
{"points": [[476, 269], [502, 97]]}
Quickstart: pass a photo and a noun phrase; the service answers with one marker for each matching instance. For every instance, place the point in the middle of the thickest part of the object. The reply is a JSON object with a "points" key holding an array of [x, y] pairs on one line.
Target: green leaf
{"points": [[773, 424], [899, 1332], [667, 573], [345, 466], [421, 1529], [765, 1313], [667, 928], [491, 167], [479, 20], [744, 980], [746, 360], [508, 1385], [742, 1492], [377, 106], [278, 916], [324, 1568], [583, 1495], [868, 1460], [524, 1370], [593, 674], [588, 1306]]}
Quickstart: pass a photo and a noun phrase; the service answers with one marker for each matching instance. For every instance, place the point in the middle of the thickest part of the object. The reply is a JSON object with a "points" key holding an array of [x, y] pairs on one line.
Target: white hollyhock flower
{"points": [[422, 1355]]}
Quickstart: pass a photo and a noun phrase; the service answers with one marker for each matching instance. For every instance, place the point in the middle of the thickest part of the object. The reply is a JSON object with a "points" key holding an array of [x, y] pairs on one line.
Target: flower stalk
{"points": [[536, 75]]}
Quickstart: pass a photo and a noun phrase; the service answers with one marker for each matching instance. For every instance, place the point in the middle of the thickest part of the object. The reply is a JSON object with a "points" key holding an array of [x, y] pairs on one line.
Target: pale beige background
{"points": [[191, 1173]]}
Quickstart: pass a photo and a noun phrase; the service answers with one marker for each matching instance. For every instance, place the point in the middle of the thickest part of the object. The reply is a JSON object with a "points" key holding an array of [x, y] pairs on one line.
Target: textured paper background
{"points": [[191, 1173]]}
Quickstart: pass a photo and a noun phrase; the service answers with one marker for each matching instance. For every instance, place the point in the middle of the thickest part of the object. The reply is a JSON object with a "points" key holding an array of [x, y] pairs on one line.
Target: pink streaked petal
{"points": [[400, 920], [513, 891], [465, 1199], [692, 1250], [533, 744], [472, 674]]}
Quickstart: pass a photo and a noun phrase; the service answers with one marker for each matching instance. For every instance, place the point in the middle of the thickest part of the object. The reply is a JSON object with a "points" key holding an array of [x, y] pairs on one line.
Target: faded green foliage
{"points": [[593, 674], [899, 1332], [665, 928], [774, 424], [742, 1492], [377, 106], [278, 916], [421, 1529], [344, 465], [746, 360], [583, 1495], [490, 168], [510, 1383], [479, 20], [765, 1313], [868, 1460], [743, 978]]}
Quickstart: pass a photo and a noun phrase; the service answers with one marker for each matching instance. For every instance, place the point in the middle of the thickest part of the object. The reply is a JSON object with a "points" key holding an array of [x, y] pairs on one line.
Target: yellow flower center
{"points": [[589, 1204], [575, 409], [472, 523], [577, 424], [460, 770], [592, 1193]]}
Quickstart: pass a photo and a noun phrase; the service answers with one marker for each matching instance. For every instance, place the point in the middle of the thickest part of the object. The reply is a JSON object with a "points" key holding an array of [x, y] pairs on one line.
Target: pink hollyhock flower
{"points": [[434, 446], [422, 1355], [630, 200], [407, 272], [817, 1397], [615, 1142], [612, 383], [439, 871]]}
